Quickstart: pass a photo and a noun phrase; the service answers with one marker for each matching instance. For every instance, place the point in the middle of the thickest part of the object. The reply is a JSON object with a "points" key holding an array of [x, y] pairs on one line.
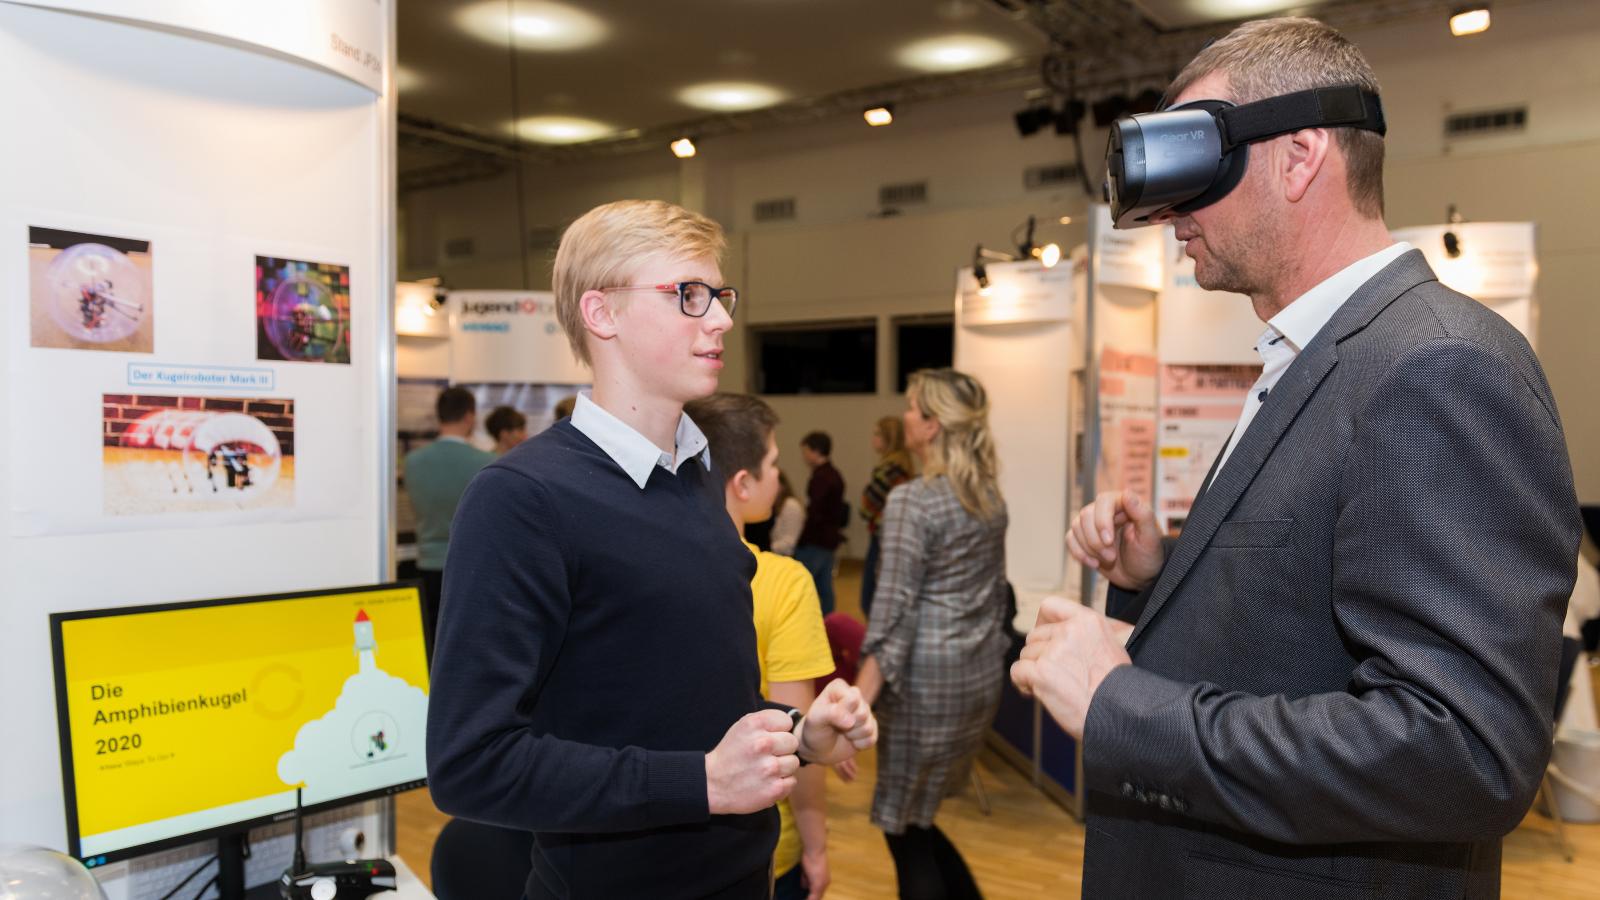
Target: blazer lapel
{"points": [[1282, 406]]}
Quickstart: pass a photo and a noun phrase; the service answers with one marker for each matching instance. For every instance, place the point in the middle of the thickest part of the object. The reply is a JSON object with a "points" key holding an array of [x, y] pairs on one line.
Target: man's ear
{"points": [[599, 318], [740, 482], [1305, 154]]}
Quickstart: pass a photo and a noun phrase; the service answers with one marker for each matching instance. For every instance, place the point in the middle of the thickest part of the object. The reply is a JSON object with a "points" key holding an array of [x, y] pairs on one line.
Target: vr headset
{"points": [[1190, 156]]}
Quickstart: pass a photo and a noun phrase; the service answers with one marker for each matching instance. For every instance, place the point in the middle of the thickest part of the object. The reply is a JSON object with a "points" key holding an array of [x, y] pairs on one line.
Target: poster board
{"points": [[1019, 339], [1495, 263], [341, 37], [1206, 345], [174, 158]]}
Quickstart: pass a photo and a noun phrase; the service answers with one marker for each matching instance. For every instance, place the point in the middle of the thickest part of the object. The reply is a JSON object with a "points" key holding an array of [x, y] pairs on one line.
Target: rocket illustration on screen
{"points": [[366, 644]]}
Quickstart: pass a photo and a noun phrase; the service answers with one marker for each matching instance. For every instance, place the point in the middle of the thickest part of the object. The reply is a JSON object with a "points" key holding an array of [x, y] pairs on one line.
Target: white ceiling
{"points": [[636, 56]]}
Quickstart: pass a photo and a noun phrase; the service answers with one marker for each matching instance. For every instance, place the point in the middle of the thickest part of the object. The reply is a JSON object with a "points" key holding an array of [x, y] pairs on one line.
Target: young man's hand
{"points": [[753, 767], [840, 723], [817, 877]]}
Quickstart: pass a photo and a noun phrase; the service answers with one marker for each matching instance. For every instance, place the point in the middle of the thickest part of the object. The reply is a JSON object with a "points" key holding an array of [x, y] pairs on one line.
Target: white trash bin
{"points": [[1577, 757]]}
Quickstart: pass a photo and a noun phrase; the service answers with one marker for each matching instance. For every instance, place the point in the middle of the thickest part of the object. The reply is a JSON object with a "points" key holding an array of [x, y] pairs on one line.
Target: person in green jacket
{"points": [[435, 477]]}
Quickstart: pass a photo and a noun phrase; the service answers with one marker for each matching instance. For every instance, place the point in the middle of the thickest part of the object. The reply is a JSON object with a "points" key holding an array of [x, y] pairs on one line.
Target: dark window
{"points": [[922, 344], [817, 359]]}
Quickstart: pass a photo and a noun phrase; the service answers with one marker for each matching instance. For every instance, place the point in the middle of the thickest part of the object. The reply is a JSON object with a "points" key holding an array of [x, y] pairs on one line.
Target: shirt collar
{"points": [[456, 438], [1300, 321], [632, 451]]}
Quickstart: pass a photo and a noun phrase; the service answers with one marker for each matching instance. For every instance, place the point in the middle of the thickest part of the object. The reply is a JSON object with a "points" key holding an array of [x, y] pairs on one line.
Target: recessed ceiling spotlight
{"points": [[954, 53], [730, 96], [879, 115], [683, 148], [1473, 20], [562, 129], [407, 79], [537, 25]]}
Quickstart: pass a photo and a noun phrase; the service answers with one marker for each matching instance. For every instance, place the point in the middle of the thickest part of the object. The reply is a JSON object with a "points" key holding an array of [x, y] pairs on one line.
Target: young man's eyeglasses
{"points": [[694, 297]]}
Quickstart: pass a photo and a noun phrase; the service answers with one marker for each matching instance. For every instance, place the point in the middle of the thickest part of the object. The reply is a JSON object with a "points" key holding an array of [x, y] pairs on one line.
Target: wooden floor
{"points": [[1029, 847]]}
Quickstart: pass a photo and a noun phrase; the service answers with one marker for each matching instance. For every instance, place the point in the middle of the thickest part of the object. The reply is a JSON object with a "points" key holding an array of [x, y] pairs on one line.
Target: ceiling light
{"points": [[1066, 220], [1470, 21], [537, 25], [683, 148], [406, 79], [954, 53], [562, 129], [879, 115], [730, 96], [1050, 255], [1452, 241]]}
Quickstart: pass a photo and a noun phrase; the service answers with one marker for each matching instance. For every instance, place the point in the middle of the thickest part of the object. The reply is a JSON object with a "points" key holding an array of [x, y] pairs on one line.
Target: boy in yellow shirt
{"points": [[791, 641]]}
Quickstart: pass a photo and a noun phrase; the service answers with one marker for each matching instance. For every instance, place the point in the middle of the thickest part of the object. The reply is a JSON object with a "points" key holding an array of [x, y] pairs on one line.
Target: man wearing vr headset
{"points": [[1341, 678]]}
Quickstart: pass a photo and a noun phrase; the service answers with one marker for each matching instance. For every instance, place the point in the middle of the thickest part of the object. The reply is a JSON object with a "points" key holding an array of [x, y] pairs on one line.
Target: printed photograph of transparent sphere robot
{"points": [[302, 311], [164, 454], [90, 292]]}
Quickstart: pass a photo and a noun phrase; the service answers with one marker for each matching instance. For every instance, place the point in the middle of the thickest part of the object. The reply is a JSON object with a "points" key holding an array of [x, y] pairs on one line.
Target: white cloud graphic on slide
{"points": [[377, 719]]}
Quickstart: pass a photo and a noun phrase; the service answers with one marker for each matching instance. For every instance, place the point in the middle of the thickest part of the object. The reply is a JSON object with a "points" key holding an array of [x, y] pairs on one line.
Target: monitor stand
{"points": [[233, 848]]}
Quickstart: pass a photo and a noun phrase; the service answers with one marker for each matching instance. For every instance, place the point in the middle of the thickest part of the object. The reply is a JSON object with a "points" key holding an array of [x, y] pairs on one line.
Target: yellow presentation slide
{"points": [[180, 712]]}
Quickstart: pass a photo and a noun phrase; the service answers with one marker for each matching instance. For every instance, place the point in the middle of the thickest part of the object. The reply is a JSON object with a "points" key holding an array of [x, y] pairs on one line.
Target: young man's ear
{"points": [[741, 482], [599, 318]]}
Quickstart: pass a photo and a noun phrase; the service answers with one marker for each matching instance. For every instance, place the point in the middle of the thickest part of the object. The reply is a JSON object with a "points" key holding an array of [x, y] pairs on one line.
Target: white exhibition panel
{"points": [[1026, 363], [1496, 264], [510, 337], [344, 37], [1200, 327], [215, 155]]}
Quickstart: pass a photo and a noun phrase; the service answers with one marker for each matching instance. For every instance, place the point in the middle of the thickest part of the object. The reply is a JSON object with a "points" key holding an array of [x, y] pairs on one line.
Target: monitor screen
{"points": [[189, 719]]}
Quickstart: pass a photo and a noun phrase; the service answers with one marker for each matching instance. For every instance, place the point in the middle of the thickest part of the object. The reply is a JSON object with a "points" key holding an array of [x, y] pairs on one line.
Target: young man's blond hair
{"points": [[601, 249]]}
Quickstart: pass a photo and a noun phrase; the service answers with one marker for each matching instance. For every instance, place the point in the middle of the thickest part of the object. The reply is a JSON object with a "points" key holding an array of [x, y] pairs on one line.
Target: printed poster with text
{"points": [[188, 719], [1199, 407], [1127, 422]]}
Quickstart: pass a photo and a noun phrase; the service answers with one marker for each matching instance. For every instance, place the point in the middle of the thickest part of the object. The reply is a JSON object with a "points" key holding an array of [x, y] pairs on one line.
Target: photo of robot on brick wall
{"points": [[166, 454], [302, 311], [89, 292]]}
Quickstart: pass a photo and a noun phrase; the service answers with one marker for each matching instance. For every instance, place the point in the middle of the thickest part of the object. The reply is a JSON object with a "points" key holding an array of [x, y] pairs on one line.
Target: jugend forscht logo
{"points": [[500, 312]]}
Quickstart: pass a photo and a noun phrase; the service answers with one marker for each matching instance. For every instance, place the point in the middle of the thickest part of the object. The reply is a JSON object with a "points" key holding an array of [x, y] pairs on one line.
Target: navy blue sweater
{"points": [[595, 642]]}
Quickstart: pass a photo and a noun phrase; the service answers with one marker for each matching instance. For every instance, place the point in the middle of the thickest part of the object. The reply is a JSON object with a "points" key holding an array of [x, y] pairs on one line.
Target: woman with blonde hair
{"points": [[893, 469], [934, 658]]}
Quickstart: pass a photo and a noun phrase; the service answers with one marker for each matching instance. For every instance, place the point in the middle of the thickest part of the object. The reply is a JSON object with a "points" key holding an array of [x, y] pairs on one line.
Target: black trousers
{"points": [[929, 867], [432, 593]]}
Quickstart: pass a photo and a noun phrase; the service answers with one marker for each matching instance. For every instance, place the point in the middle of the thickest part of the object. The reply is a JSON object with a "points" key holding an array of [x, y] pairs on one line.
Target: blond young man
{"points": [[596, 681], [791, 641]]}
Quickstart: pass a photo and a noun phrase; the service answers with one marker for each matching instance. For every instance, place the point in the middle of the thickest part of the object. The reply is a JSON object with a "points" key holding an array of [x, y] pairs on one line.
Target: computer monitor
{"points": [[190, 720]]}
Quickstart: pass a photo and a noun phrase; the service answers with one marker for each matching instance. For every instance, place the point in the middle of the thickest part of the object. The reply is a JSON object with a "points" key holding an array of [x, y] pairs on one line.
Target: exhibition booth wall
{"points": [[198, 211], [839, 260]]}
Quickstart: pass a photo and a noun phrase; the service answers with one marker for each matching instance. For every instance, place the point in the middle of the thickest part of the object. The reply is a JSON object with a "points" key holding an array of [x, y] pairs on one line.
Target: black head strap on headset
{"points": [[1345, 106]]}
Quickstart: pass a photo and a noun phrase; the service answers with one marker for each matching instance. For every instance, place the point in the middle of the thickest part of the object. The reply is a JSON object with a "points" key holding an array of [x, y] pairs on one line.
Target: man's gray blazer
{"points": [[1344, 678]]}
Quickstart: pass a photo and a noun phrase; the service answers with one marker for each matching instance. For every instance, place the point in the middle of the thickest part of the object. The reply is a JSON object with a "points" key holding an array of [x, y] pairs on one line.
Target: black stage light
{"points": [[1108, 109], [1146, 101], [1032, 119], [1068, 117]]}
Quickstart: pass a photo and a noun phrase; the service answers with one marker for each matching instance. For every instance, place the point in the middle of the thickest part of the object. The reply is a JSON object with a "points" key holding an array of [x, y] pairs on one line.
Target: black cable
{"points": [[516, 144], [206, 887], [188, 878]]}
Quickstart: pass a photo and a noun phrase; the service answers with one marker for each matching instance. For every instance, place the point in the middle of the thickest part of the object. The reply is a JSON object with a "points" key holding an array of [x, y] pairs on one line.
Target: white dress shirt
{"points": [[1292, 329], [634, 452]]}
